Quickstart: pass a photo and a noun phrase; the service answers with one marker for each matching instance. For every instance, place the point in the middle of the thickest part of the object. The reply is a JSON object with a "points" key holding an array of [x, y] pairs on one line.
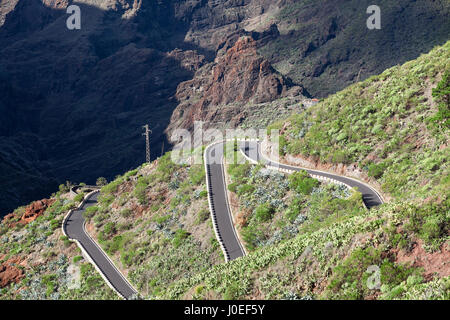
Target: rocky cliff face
{"points": [[211, 22], [219, 91], [73, 102]]}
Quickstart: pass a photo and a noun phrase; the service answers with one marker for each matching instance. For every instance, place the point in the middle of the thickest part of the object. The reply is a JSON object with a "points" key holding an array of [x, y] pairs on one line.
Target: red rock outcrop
{"points": [[8, 218], [35, 210], [219, 90], [10, 272]]}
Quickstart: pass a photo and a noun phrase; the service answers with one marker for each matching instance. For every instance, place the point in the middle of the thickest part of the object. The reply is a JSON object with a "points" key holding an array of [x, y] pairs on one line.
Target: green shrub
{"points": [[295, 147], [232, 292], [349, 279], [433, 228], [77, 258], [55, 224], [140, 190], [106, 199], [180, 235], [283, 145], [302, 183], [116, 244], [233, 186], [245, 189], [161, 219], [49, 281], [109, 229], [376, 170], [199, 290], [126, 212], [264, 212], [131, 173], [239, 171], [294, 208], [430, 222], [79, 197], [202, 216], [112, 187], [442, 95], [155, 207], [63, 188], [197, 174], [66, 241], [90, 212], [101, 181], [99, 218], [340, 156], [125, 226], [166, 167], [127, 257]]}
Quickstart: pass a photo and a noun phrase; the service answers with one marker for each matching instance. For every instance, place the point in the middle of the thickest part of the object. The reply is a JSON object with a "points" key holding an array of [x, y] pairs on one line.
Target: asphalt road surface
{"points": [[370, 197], [219, 202], [74, 228]]}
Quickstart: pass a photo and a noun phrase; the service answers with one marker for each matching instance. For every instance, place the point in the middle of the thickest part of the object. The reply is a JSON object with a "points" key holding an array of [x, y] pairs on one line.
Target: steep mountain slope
{"points": [[76, 99], [306, 239], [391, 128], [37, 262], [79, 97], [406, 239], [227, 91], [326, 46], [153, 221]]}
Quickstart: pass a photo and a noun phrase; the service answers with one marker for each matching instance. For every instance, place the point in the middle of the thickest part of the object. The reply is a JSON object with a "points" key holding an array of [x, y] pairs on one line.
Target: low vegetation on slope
{"points": [[393, 127], [331, 262], [155, 224], [273, 206], [38, 262]]}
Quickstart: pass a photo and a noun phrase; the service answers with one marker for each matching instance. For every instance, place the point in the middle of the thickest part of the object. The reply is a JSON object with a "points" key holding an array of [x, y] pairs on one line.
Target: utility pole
{"points": [[147, 141]]}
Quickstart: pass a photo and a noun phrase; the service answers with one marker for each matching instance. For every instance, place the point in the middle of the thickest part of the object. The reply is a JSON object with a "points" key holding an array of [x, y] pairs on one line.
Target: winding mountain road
{"points": [[371, 198], [74, 223], [218, 198], [74, 227]]}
